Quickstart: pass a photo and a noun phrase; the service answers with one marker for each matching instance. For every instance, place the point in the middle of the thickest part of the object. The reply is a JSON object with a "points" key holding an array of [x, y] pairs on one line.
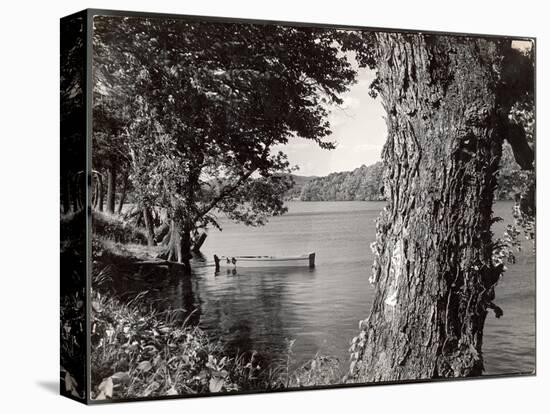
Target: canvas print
{"points": [[287, 206]]}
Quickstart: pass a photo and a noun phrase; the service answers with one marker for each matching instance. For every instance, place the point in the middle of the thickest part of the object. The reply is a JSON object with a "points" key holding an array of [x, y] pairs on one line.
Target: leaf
{"points": [[151, 388], [215, 384], [156, 360], [144, 366], [172, 391], [121, 377], [106, 387]]}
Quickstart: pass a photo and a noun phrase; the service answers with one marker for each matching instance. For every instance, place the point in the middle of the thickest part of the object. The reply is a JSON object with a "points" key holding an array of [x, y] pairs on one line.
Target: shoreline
{"points": [[204, 367]]}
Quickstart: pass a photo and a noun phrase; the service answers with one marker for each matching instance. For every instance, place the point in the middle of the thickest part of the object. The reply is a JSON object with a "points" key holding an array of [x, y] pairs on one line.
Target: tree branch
{"points": [[523, 153], [229, 189]]}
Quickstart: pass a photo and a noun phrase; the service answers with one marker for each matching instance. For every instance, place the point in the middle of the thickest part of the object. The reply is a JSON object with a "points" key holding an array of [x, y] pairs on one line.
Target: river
{"points": [[320, 308]]}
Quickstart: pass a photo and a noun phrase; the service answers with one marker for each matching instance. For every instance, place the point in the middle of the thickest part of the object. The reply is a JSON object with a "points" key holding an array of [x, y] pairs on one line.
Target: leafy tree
{"points": [[210, 101]]}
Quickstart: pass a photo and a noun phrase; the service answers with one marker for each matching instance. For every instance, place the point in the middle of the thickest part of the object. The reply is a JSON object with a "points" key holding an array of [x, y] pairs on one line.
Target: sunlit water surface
{"points": [[263, 309]]}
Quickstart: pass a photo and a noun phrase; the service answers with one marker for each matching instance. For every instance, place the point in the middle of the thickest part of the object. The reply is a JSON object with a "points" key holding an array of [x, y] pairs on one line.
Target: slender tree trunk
{"points": [[186, 243], [111, 189], [433, 272], [94, 196], [123, 194], [100, 192], [197, 244], [174, 245], [148, 220]]}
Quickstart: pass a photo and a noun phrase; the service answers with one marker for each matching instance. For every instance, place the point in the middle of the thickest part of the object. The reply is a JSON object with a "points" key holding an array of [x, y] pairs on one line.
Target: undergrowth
{"points": [[155, 354], [138, 351]]}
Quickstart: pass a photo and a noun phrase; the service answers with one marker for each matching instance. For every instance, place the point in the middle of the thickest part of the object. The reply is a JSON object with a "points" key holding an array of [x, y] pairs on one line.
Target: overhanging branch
{"points": [[523, 153]]}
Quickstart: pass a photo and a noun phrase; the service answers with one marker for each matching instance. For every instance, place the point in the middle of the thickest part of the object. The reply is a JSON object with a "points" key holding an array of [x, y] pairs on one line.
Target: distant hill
{"points": [[365, 183], [299, 182], [362, 184]]}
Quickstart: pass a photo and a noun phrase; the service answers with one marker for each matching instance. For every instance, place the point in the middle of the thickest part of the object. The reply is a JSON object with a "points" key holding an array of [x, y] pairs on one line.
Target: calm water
{"points": [[320, 308]]}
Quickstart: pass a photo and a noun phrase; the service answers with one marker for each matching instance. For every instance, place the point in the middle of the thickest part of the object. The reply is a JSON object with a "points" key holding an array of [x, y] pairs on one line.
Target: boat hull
{"points": [[307, 260]]}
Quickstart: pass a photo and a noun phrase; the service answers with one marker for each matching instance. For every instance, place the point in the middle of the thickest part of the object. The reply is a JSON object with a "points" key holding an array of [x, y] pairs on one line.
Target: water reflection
{"points": [[162, 287], [247, 309], [253, 309]]}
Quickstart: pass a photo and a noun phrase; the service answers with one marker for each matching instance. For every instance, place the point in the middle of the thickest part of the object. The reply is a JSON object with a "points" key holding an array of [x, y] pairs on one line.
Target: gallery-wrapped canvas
{"points": [[253, 206]]}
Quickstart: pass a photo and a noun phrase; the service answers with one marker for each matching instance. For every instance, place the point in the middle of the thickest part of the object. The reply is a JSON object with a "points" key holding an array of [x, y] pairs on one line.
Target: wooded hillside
{"points": [[365, 183], [361, 184]]}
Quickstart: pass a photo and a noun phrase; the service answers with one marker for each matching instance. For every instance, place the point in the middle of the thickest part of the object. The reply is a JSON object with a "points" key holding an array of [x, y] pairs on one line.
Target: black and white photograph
{"points": [[287, 206]]}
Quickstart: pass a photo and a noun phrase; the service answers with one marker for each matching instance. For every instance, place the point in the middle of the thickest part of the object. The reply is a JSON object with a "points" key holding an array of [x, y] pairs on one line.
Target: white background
{"points": [[29, 148]]}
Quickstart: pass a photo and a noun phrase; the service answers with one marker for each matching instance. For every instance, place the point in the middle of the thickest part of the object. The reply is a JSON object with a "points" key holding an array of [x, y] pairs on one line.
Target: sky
{"points": [[358, 127]]}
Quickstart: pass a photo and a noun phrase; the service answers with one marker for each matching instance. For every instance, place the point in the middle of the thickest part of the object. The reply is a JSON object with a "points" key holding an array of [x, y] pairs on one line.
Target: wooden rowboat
{"points": [[265, 261]]}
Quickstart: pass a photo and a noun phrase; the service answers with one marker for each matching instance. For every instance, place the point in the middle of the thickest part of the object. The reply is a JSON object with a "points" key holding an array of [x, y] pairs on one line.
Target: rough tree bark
{"points": [[111, 189], [433, 274]]}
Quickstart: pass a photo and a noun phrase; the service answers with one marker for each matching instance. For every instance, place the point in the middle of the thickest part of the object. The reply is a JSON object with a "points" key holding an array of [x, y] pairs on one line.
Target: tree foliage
{"points": [[362, 184], [207, 104]]}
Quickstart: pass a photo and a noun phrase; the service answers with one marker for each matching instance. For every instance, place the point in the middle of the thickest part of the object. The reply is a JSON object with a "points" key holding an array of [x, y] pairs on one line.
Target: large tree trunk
{"points": [[433, 272], [111, 189]]}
